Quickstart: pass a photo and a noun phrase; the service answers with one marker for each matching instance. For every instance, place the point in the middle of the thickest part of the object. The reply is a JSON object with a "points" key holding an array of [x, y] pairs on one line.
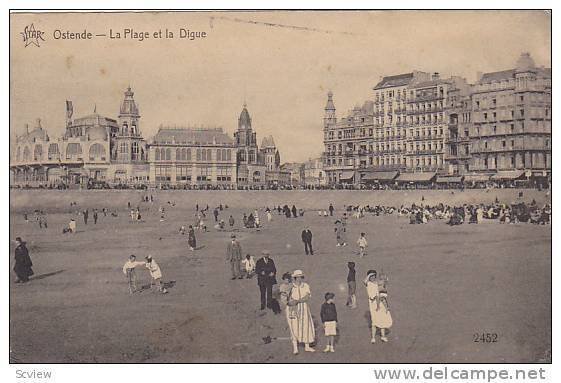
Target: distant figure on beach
{"points": [[192, 241], [307, 239], [362, 244], [351, 285], [130, 273], [234, 256], [155, 273], [23, 263], [215, 215], [331, 209], [72, 226]]}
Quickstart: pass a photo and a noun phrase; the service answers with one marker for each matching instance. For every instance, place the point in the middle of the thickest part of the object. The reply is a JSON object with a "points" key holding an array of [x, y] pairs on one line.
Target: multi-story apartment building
{"points": [[429, 125], [511, 121], [392, 97], [424, 124], [458, 154]]}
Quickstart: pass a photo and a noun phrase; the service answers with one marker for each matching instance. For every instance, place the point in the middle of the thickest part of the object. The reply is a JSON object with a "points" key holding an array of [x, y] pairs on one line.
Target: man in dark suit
{"points": [[266, 278], [307, 239]]}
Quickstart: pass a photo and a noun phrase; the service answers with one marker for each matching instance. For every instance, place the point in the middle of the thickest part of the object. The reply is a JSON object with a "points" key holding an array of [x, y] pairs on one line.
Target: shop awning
{"points": [[539, 173], [476, 178], [508, 175], [347, 175], [449, 179], [380, 176], [416, 177]]}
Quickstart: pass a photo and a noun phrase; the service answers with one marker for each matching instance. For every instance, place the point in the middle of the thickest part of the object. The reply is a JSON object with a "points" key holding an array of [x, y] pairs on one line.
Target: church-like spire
{"points": [[244, 122]]}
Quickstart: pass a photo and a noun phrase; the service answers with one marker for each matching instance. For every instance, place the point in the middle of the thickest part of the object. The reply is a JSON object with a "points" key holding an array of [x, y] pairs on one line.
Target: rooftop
{"points": [[397, 80], [192, 136]]}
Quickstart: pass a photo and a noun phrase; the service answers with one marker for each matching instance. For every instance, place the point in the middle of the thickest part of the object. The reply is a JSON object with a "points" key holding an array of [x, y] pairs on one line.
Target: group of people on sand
{"points": [[129, 269], [476, 213], [295, 296], [39, 217]]}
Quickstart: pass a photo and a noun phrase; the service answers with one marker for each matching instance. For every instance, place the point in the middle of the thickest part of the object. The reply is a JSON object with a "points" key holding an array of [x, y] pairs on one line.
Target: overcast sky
{"points": [[281, 63]]}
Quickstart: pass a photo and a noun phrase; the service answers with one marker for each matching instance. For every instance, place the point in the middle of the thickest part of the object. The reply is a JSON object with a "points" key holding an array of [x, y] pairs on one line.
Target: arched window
{"points": [[168, 154], [157, 153], [209, 155], [38, 152], [73, 150], [219, 155], [188, 155], [53, 152], [198, 154], [177, 154], [125, 129], [97, 152], [204, 155], [229, 154], [184, 154], [26, 154], [133, 130]]}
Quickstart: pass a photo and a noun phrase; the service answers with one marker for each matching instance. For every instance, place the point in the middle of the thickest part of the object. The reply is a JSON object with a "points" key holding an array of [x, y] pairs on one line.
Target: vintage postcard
{"points": [[280, 187]]}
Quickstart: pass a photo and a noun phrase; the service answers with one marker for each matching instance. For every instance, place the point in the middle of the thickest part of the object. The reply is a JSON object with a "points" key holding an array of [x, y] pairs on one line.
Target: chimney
{"points": [[26, 128]]}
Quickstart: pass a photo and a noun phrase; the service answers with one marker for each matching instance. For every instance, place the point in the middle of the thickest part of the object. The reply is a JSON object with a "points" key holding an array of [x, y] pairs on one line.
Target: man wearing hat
{"points": [[22, 268], [266, 273], [234, 256]]}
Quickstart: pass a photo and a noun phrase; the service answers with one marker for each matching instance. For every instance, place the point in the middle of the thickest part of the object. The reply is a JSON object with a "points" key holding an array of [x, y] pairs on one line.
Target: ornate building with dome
{"points": [[92, 148], [97, 149]]}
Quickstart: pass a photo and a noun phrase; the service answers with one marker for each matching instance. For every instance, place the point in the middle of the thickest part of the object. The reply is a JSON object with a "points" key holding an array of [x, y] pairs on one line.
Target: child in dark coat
{"points": [[329, 319]]}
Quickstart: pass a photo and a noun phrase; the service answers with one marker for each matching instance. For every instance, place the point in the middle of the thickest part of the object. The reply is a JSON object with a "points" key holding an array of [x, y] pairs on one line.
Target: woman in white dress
{"points": [[379, 310], [298, 313]]}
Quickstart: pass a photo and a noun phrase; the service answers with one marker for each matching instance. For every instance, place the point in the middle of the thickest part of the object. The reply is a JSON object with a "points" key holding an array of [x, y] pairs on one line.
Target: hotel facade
{"points": [[420, 127]]}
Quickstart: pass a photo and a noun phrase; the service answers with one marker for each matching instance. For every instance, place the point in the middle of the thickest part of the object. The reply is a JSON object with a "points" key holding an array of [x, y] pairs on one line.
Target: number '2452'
{"points": [[486, 337]]}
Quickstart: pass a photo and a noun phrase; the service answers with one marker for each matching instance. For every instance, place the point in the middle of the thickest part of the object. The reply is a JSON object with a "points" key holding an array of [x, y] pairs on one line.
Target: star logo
{"points": [[32, 36]]}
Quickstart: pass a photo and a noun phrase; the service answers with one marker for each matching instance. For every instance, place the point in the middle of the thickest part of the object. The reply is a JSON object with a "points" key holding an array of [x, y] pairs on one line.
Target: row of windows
{"points": [[389, 161], [185, 154], [73, 150]]}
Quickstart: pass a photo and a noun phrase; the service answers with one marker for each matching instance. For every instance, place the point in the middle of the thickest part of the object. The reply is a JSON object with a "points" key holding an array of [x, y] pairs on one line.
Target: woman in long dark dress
{"points": [[192, 241], [23, 264]]}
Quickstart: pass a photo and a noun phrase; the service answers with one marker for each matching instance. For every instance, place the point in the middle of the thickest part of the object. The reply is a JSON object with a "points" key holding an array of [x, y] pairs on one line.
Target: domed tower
{"points": [[129, 146], [329, 116]]}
